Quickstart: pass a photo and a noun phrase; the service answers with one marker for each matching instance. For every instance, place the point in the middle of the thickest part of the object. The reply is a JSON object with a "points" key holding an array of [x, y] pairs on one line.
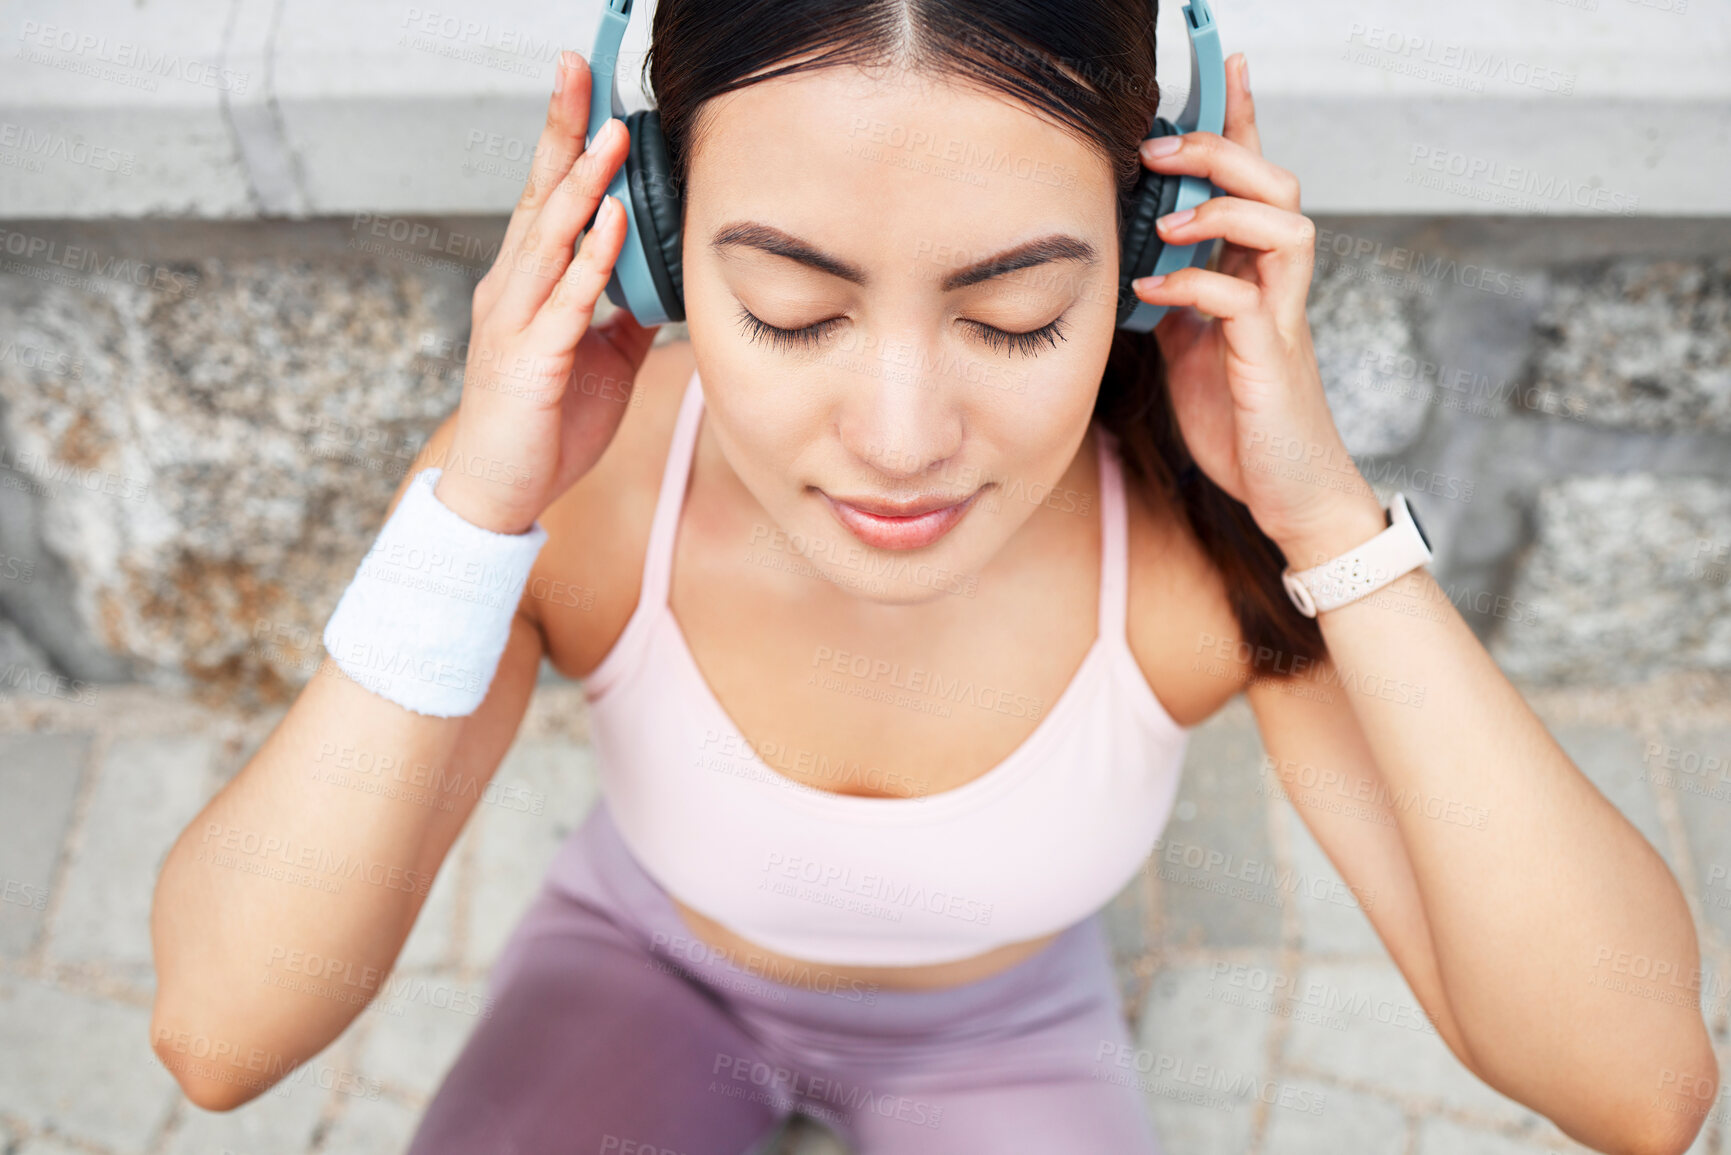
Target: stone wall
{"points": [[201, 424]]}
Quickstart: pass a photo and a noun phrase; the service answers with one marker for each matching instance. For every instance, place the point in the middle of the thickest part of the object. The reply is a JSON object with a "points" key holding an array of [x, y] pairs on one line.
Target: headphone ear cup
{"points": [[1155, 195], [657, 208]]}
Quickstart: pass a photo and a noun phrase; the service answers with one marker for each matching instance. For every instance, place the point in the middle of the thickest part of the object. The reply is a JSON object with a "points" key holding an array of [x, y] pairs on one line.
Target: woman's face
{"points": [[901, 294]]}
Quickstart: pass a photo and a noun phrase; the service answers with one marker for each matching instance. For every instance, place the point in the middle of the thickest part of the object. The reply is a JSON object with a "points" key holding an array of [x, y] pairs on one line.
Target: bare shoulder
{"points": [[1179, 615], [586, 581]]}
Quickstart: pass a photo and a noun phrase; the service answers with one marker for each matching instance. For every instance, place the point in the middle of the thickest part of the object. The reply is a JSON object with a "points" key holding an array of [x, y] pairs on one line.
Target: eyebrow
{"points": [[1041, 250]]}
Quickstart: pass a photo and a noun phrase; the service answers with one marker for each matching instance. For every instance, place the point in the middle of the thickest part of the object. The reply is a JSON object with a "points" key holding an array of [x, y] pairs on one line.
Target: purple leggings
{"points": [[615, 1030]]}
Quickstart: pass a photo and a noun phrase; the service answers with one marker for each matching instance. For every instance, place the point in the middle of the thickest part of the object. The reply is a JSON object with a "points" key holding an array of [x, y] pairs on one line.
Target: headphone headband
{"points": [[635, 286]]}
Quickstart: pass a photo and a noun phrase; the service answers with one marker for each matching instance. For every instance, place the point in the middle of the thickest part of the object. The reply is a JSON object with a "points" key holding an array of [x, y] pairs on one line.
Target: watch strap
{"points": [[1393, 553]]}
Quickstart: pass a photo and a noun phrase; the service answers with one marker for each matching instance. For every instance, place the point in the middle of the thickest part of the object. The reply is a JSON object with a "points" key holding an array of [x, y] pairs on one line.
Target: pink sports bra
{"points": [[1040, 841]]}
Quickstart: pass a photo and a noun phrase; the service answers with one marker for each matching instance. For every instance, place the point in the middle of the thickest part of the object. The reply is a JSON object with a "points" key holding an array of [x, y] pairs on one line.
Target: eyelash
{"points": [[1029, 342]]}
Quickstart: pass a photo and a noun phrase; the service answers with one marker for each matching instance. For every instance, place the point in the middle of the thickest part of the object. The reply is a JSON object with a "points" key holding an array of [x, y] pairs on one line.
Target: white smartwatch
{"points": [[1397, 550]]}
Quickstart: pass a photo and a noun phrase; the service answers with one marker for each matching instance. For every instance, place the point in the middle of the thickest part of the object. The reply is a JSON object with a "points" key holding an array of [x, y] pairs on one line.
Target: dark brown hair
{"points": [[1088, 67]]}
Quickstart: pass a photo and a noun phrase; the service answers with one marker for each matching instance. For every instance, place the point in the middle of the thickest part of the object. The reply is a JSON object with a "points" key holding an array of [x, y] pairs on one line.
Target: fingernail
{"points": [[1144, 284], [613, 129], [1162, 146], [1173, 220], [567, 62], [1244, 73]]}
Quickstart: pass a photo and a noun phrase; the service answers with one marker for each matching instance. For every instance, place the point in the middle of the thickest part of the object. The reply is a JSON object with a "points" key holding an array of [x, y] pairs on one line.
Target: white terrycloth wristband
{"points": [[428, 614]]}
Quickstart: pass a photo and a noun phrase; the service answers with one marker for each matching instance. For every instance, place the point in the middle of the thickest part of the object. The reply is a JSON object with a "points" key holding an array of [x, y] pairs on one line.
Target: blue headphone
{"points": [[647, 277]]}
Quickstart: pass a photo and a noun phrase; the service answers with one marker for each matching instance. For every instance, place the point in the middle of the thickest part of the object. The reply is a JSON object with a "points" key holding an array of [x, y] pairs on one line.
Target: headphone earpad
{"points": [[658, 211], [1155, 195]]}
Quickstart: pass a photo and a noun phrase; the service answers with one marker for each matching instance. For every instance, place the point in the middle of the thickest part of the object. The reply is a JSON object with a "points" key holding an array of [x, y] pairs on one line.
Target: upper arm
{"points": [[1318, 754]]}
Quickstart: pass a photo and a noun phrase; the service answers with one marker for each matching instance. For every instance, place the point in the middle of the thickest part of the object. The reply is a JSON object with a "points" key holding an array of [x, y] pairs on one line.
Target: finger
{"points": [[1281, 245], [546, 249], [1216, 294], [561, 143], [1240, 123], [570, 306], [1228, 164]]}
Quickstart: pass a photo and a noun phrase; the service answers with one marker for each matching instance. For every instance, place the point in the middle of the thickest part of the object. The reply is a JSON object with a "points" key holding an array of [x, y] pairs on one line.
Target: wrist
{"points": [[461, 494], [1344, 528]]}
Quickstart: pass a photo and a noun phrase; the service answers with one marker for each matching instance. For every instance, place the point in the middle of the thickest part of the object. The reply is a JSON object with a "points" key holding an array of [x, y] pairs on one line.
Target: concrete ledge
{"points": [[297, 108]]}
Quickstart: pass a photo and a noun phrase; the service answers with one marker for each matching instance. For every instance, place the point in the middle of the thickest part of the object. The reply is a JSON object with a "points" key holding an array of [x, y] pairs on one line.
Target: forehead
{"points": [[896, 157]]}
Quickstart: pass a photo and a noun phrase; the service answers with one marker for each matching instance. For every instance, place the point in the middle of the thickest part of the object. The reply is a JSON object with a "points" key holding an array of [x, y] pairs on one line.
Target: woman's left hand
{"points": [[1244, 379]]}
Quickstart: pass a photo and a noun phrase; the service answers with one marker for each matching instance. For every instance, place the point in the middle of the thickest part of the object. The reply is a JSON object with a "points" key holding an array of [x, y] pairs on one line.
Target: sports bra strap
{"points": [[1114, 532], [658, 564]]}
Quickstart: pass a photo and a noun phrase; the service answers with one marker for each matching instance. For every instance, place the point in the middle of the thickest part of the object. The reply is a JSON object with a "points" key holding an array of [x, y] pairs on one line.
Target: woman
{"points": [[895, 592]]}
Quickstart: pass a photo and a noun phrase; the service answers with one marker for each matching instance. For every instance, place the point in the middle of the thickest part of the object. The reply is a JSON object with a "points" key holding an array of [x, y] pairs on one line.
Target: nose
{"points": [[900, 415]]}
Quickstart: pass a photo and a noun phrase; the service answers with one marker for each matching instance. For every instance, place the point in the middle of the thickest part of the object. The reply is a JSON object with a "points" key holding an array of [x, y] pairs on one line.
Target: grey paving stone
{"points": [[147, 790], [1214, 855], [39, 776], [1185, 1025], [1440, 1136], [416, 1029], [1612, 758], [80, 1066], [272, 1124], [372, 1127], [48, 1145], [1383, 1045], [514, 843], [1694, 767], [1347, 1121], [1329, 918]]}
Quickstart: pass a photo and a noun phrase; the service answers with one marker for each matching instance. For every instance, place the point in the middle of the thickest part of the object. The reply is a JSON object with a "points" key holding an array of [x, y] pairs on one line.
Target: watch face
{"points": [[1413, 513]]}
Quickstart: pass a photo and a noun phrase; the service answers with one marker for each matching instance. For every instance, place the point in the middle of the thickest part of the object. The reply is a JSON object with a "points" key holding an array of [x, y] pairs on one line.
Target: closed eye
{"points": [[1030, 341]]}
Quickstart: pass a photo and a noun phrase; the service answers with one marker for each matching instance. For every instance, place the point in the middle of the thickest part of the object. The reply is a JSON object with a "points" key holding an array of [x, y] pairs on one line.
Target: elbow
{"points": [[1686, 1096], [212, 1074]]}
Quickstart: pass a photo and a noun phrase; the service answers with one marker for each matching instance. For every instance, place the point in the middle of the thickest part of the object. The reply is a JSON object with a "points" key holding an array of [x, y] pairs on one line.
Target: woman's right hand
{"points": [[543, 391]]}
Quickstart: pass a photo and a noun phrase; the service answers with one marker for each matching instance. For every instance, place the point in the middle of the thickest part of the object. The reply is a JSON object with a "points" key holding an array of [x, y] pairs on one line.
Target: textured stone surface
{"points": [[1644, 344], [1627, 578], [248, 430], [1353, 320]]}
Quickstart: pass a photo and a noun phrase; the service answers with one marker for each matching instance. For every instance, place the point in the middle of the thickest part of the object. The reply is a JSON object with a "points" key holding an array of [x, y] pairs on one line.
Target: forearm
{"points": [[1531, 910], [323, 847]]}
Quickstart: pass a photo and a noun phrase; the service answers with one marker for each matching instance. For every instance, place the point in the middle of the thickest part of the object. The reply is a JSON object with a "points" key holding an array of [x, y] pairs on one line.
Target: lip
{"points": [[899, 525]]}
